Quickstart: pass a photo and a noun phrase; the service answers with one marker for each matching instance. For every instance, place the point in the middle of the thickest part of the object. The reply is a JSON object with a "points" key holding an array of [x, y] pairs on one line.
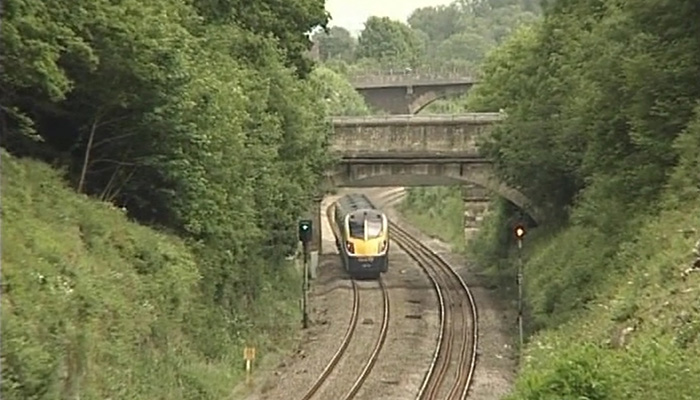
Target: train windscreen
{"points": [[374, 228], [357, 228]]}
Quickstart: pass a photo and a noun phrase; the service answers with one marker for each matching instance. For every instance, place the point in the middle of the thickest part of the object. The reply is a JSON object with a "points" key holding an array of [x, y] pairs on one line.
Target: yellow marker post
{"points": [[249, 356]]}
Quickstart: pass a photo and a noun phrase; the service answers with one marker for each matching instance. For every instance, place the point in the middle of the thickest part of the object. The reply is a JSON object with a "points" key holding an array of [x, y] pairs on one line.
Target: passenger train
{"points": [[362, 236]]}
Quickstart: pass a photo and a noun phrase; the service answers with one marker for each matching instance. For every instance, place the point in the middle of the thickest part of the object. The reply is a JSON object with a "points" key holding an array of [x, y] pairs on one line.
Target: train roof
{"points": [[356, 202]]}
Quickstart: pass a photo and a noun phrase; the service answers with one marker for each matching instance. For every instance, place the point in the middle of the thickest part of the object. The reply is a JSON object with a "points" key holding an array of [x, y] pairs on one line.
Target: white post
{"points": [[520, 293], [314, 264], [247, 370]]}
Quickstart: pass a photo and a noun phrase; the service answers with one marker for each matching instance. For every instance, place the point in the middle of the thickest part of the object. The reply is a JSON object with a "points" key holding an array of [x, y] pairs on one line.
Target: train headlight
{"points": [[350, 247], [385, 244]]}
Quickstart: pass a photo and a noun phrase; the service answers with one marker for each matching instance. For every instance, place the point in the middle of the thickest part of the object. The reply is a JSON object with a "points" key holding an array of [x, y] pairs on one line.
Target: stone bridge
{"points": [[408, 92], [408, 150]]}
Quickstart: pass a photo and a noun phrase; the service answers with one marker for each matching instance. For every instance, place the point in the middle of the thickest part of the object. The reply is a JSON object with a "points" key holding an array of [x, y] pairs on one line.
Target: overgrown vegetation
{"points": [[201, 119], [457, 36], [96, 306], [422, 207], [602, 132]]}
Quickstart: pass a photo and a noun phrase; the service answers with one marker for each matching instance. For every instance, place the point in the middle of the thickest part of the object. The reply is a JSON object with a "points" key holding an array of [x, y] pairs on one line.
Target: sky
{"points": [[352, 14]]}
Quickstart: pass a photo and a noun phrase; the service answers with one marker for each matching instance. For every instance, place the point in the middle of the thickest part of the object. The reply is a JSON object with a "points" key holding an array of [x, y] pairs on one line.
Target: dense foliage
{"points": [[458, 35], [201, 118], [337, 93], [95, 306], [605, 136], [602, 115]]}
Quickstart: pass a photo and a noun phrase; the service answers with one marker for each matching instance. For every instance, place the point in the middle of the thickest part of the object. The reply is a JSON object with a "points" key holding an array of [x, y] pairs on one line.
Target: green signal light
{"points": [[305, 230]]}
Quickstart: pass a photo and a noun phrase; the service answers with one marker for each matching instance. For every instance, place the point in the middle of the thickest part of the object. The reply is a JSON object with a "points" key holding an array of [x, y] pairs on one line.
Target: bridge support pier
{"points": [[476, 202]]}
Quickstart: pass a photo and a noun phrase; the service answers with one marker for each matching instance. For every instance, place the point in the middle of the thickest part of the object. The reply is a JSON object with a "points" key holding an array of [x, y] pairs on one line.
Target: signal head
{"points": [[305, 230]]}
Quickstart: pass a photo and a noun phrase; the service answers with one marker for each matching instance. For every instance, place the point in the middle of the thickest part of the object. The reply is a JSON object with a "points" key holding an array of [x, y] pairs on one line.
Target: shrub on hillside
{"points": [[93, 305]]}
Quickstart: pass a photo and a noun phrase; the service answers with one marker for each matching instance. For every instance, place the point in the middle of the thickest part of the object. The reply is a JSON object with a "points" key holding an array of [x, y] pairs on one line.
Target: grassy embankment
{"points": [[97, 305], [611, 317], [437, 211]]}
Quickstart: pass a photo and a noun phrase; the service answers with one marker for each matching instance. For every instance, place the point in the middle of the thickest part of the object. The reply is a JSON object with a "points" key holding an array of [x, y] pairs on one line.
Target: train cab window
{"points": [[374, 228], [357, 228]]}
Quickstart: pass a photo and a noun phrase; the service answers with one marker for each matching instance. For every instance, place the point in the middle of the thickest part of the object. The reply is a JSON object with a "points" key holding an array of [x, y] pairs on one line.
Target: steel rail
{"points": [[379, 344], [434, 265], [377, 347], [343, 345]]}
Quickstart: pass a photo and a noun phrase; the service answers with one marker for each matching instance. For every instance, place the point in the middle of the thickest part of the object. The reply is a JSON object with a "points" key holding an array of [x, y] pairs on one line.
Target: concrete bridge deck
{"points": [[401, 77], [425, 119], [417, 150], [409, 92], [423, 150], [411, 136]]}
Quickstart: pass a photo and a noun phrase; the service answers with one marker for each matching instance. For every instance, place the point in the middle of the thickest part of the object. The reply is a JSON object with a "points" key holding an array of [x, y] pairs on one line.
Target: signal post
{"points": [[520, 232], [306, 235]]}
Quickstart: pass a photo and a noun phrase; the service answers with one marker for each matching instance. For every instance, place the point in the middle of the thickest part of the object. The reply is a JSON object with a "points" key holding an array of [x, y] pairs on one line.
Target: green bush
{"points": [[579, 374], [435, 211], [640, 328], [99, 307], [194, 118]]}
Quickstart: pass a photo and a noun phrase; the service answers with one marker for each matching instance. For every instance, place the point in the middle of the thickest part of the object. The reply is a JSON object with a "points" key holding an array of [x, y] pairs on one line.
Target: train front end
{"points": [[366, 243]]}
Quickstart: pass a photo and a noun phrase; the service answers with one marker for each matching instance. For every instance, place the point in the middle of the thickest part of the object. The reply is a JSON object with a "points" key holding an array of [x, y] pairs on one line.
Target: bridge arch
{"points": [[485, 179], [428, 97]]}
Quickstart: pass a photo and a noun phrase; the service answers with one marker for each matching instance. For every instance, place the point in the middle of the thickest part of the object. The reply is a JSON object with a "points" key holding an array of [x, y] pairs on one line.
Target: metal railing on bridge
{"points": [[425, 119], [373, 78]]}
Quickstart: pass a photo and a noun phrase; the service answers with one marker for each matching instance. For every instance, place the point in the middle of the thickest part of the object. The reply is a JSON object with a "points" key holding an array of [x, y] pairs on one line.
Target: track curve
{"points": [[338, 355], [455, 352], [343, 346]]}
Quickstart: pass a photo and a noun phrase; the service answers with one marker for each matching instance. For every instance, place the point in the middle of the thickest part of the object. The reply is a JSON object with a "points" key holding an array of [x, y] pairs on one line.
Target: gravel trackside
{"points": [[496, 357]]}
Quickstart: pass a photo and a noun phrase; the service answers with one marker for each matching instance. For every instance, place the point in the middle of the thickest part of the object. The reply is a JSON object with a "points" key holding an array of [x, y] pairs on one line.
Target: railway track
{"points": [[451, 371], [389, 199], [369, 364]]}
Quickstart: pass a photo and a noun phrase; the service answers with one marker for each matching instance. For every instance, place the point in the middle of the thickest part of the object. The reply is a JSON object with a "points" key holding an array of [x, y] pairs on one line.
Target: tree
{"points": [[286, 21], [439, 22], [464, 46], [606, 89], [390, 42], [337, 43], [192, 117], [337, 93]]}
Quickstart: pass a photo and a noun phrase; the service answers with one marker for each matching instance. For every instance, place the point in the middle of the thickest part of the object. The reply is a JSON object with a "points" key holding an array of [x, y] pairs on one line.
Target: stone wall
{"points": [[430, 136]]}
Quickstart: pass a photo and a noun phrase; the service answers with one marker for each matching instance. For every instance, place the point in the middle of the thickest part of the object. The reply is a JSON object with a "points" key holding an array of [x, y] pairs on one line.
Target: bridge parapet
{"points": [[425, 119], [379, 78], [412, 136]]}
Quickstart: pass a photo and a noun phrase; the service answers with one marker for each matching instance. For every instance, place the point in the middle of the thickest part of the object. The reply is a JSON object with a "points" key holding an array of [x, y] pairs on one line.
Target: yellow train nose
{"points": [[369, 247]]}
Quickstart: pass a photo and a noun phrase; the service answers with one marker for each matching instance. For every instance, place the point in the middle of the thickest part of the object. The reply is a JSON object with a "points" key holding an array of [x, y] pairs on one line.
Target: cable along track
{"points": [[451, 371]]}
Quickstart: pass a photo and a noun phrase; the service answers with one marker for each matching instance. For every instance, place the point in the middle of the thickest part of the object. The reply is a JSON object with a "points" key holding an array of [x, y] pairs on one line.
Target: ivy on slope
{"points": [[93, 306]]}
